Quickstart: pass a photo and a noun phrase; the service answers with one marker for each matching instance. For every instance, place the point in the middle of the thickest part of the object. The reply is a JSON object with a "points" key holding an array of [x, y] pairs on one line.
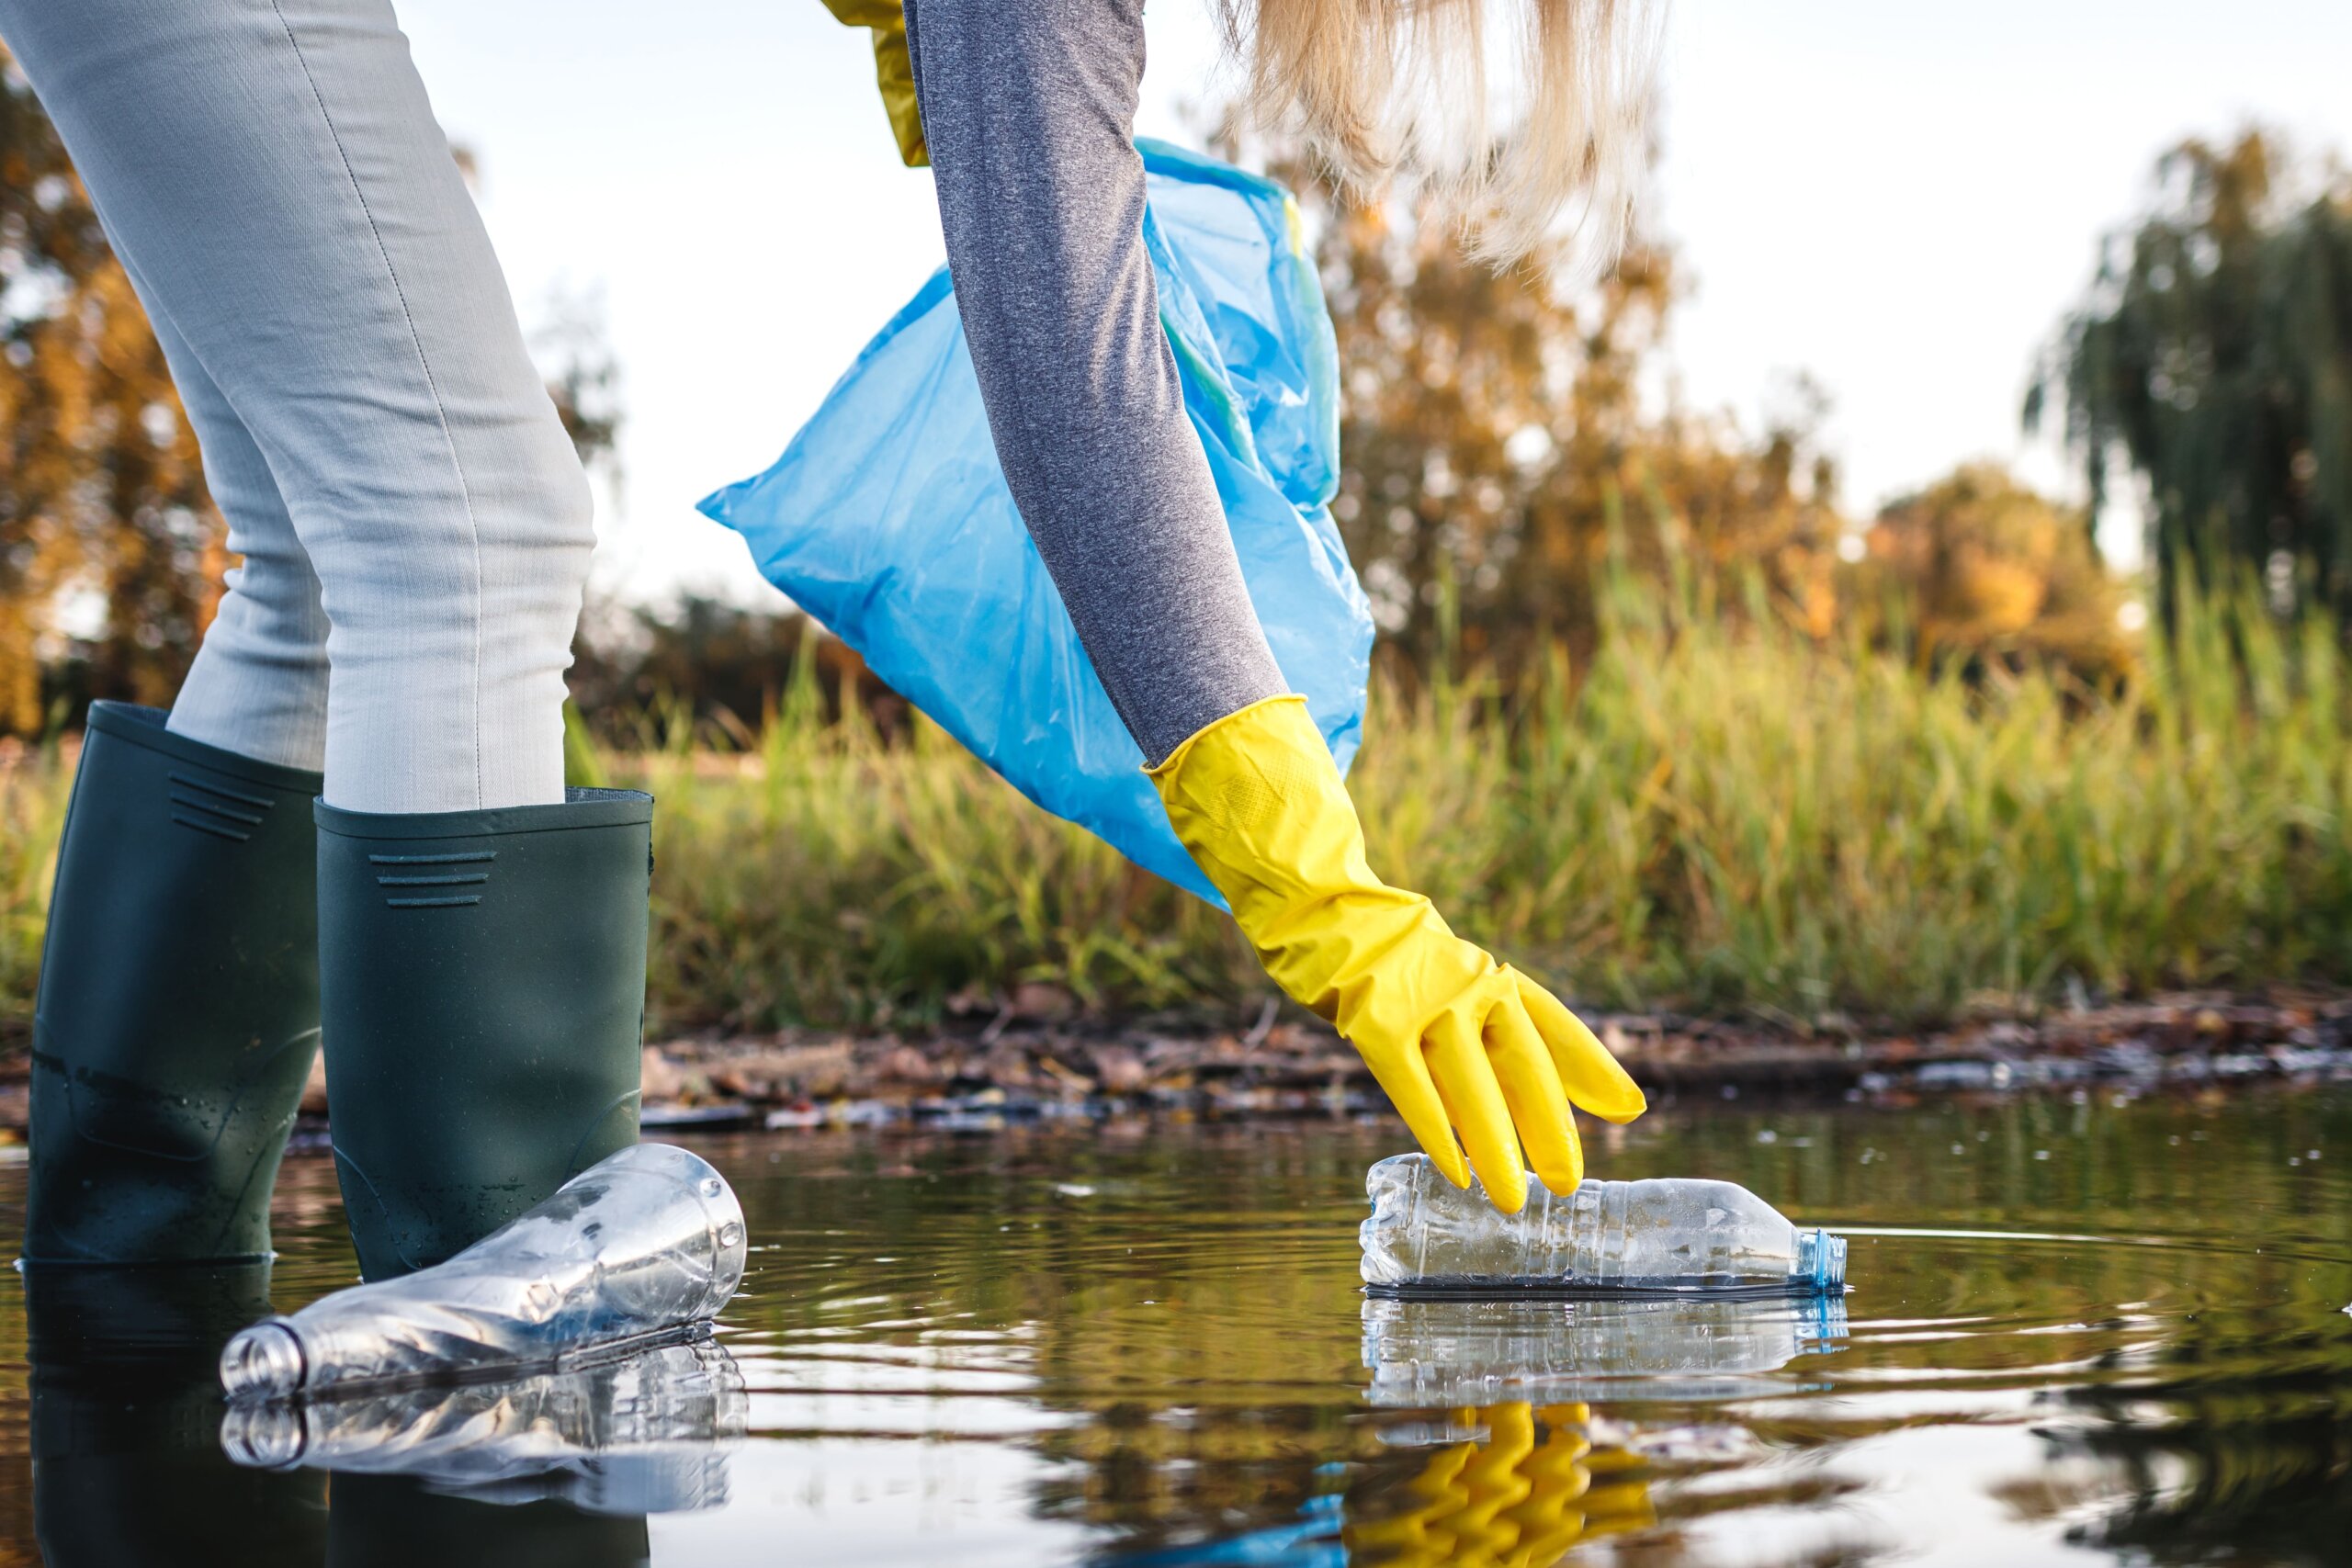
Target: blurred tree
{"points": [[1501, 435], [715, 663], [1977, 566], [2213, 354], [105, 525], [575, 353]]}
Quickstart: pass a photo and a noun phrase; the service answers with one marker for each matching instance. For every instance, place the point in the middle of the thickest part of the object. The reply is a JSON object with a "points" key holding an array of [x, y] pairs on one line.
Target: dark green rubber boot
{"points": [[178, 1012], [483, 978]]}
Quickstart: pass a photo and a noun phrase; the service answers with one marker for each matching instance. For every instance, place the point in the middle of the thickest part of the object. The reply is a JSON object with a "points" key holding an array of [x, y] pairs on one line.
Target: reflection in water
{"points": [[401, 1521], [1506, 1471], [2108, 1328], [1431, 1352], [129, 1434], [125, 1406], [647, 1435], [1521, 1486], [2236, 1451], [1533, 1487]]}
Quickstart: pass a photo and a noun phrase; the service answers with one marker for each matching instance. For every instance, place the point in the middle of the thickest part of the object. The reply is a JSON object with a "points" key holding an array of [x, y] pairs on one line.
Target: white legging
{"points": [[413, 521]]}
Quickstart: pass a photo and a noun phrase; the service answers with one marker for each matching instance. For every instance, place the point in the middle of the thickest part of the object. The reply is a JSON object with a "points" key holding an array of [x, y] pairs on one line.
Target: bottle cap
{"points": [[1821, 1260]]}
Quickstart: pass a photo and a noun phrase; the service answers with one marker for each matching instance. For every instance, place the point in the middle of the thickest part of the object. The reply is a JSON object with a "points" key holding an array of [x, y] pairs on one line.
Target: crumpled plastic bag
{"points": [[888, 518]]}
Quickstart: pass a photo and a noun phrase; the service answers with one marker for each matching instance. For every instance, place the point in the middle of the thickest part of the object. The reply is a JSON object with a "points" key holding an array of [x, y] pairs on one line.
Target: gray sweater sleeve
{"points": [[1029, 107]]}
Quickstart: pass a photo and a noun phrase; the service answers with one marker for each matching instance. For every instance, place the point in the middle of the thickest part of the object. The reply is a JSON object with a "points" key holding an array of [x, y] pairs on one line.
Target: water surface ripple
{"points": [[2081, 1329]]}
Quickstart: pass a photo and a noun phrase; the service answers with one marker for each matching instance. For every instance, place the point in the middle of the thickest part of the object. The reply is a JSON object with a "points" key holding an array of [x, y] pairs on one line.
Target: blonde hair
{"points": [[1377, 86]]}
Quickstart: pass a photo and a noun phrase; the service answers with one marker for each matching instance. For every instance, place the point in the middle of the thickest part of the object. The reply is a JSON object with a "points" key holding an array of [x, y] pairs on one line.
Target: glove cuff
{"points": [[1258, 800], [1260, 716]]}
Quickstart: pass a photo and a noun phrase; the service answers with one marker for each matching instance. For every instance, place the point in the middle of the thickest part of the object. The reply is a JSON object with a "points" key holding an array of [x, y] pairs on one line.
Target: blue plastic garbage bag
{"points": [[889, 520]]}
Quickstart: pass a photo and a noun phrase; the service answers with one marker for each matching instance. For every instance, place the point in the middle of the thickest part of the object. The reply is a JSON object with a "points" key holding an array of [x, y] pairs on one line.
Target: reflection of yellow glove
{"points": [[893, 69], [1617, 1497], [1422, 1533], [1552, 1519], [1492, 1483], [1453, 1036], [1506, 1503]]}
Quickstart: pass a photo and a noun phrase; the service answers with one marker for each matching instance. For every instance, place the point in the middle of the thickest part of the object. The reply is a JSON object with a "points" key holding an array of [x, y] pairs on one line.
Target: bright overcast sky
{"points": [[1898, 199]]}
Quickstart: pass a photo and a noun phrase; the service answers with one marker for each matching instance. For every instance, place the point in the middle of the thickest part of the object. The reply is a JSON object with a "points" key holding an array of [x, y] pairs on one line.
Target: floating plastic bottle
{"points": [[641, 1248], [1436, 1354], [647, 1435], [1427, 1235]]}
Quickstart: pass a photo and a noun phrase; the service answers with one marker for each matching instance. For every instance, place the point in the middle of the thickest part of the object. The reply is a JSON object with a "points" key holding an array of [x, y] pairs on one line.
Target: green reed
{"points": [[1714, 812], [34, 786]]}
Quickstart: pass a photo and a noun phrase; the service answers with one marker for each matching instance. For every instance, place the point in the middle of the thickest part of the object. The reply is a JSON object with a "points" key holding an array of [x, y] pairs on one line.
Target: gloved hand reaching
{"points": [[1459, 1042]]}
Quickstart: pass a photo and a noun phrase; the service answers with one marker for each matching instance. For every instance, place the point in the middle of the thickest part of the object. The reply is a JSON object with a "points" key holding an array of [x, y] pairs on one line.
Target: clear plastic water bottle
{"points": [[1427, 1235], [640, 1247], [647, 1435], [1432, 1354]]}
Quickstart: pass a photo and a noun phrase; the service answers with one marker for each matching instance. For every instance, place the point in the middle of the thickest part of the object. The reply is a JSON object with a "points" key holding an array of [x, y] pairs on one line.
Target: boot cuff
{"points": [[581, 808], [143, 727]]}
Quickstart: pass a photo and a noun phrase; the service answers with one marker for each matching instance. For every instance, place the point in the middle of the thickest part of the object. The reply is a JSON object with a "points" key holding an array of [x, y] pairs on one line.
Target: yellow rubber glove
{"points": [[894, 70], [1458, 1041]]}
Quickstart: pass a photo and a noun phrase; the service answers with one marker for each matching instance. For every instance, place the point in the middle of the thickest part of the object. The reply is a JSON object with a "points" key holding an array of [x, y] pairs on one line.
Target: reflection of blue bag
{"points": [[888, 518]]}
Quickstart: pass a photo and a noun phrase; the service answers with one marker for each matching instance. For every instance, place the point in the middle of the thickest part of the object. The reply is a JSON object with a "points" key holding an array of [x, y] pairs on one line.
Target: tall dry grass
{"points": [[1715, 813]]}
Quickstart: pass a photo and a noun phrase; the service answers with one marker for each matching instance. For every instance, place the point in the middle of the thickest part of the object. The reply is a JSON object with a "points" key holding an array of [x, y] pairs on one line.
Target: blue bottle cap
{"points": [[1821, 1261]]}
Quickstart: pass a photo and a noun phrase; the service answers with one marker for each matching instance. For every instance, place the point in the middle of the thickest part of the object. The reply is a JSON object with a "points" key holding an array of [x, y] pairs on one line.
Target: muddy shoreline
{"points": [[1011, 1067], [1015, 1065]]}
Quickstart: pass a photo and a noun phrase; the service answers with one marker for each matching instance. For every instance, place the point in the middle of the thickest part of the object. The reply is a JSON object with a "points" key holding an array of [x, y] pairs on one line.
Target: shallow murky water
{"points": [[2080, 1331]]}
